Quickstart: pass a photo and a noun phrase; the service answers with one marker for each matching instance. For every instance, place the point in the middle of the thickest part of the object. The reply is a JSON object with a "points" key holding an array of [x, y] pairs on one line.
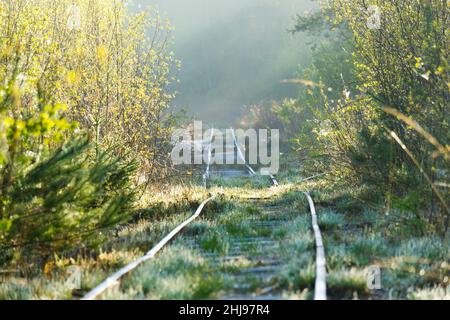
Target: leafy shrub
{"points": [[55, 195], [67, 198]]}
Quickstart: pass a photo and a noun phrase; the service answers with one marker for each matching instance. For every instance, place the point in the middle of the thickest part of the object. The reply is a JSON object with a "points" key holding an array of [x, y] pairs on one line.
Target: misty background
{"points": [[233, 53]]}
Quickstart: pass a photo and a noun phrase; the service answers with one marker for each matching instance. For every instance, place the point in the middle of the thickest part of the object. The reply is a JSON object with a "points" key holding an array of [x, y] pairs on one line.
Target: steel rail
{"points": [[114, 279], [320, 291], [250, 169], [206, 174], [241, 155]]}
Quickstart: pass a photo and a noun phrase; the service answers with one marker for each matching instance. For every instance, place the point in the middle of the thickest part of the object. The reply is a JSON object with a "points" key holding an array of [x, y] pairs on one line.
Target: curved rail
{"points": [[113, 280], [320, 292]]}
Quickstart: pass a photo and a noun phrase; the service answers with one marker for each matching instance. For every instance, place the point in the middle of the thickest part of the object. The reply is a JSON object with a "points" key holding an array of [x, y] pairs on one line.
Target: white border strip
{"points": [[320, 292], [114, 279]]}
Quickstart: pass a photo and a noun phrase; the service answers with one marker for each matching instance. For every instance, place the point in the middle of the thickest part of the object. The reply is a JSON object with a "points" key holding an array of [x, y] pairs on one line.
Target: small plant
{"points": [[214, 242], [436, 293]]}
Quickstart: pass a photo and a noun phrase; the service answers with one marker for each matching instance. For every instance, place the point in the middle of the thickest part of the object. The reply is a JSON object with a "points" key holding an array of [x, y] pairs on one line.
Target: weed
{"points": [[329, 220], [215, 242], [347, 284]]}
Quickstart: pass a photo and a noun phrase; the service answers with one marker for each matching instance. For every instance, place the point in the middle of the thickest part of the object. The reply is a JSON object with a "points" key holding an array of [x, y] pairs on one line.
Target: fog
{"points": [[233, 53]]}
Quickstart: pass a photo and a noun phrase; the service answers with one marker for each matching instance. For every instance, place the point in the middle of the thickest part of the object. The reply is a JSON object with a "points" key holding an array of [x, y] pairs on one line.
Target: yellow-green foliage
{"points": [[53, 192], [46, 125], [109, 66]]}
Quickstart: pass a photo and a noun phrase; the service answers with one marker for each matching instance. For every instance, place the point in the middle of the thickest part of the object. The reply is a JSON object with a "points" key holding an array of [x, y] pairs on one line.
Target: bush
{"points": [[387, 130], [54, 195]]}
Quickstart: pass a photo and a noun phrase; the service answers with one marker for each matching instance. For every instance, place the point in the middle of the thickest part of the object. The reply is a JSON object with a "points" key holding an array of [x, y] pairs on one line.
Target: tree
{"points": [[111, 67], [55, 194]]}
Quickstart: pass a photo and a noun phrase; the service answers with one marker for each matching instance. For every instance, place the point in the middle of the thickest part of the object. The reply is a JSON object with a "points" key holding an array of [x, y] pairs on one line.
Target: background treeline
{"points": [[232, 53], [84, 115], [373, 105]]}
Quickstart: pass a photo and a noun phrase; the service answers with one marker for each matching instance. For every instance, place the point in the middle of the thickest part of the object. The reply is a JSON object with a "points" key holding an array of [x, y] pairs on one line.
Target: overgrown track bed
{"points": [[248, 251], [256, 249]]}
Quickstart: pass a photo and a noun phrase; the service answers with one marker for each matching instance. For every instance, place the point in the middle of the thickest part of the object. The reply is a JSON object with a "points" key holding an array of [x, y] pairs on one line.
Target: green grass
{"points": [[215, 242], [367, 249], [430, 248], [329, 220], [298, 275], [408, 263], [436, 293], [189, 274], [178, 273], [291, 197], [415, 264], [255, 182]]}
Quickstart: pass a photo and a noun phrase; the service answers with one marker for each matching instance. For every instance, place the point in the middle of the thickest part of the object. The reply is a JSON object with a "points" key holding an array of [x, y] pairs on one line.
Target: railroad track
{"points": [[258, 279]]}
